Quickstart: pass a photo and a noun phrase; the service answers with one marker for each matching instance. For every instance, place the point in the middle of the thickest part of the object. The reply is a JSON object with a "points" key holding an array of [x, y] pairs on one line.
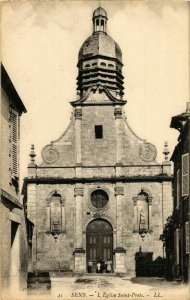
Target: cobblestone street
{"points": [[112, 287]]}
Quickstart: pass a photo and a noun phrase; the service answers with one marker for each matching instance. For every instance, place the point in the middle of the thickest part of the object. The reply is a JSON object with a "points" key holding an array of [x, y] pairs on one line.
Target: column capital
{"points": [[150, 200], [78, 250], [118, 113], [78, 192], [119, 250], [62, 201], [119, 190], [78, 113]]}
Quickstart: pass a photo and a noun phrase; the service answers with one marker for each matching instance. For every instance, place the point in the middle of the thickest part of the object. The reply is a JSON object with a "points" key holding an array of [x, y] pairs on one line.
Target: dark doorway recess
{"points": [[147, 267], [99, 241]]}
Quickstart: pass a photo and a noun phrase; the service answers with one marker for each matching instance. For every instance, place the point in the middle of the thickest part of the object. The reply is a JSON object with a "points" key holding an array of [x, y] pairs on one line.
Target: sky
{"points": [[40, 44]]}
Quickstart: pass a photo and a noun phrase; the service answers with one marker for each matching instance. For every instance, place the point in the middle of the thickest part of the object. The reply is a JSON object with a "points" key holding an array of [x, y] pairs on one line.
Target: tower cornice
{"points": [[102, 89]]}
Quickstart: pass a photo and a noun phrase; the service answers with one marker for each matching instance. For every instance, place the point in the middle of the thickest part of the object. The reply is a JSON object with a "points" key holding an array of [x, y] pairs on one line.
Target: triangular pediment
{"points": [[98, 95]]}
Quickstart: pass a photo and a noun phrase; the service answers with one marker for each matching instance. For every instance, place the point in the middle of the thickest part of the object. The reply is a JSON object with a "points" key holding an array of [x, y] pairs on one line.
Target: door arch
{"points": [[99, 240]]}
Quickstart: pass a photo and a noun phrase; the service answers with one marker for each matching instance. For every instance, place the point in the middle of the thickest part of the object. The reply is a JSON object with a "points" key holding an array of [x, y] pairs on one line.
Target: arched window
{"points": [[97, 22], [103, 64], [87, 66], [110, 66], [94, 64], [99, 198]]}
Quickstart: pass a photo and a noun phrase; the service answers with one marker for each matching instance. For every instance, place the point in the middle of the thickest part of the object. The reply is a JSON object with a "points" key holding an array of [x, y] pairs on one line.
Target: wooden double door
{"points": [[99, 241]]}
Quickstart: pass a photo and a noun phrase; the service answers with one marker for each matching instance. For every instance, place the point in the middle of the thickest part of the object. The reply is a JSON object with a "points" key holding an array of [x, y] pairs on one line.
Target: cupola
{"points": [[99, 19], [100, 59]]}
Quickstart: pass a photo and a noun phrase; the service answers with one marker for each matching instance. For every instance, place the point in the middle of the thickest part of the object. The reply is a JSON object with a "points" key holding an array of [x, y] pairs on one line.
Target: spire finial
{"points": [[32, 154], [166, 151]]}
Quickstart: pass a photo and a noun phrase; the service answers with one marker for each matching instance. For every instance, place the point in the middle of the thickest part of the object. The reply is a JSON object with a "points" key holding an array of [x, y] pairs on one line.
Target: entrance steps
{"points": [[99, 274]]}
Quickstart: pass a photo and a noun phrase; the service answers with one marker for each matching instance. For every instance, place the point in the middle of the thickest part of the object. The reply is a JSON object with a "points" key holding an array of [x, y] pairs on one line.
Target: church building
{"points": [[99, 192]]}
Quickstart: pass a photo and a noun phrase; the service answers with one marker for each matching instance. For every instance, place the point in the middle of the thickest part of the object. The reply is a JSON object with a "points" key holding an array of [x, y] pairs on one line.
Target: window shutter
{"points": [[14, 142], [185, 174], [178, 189], [187, 237], [176, 241]]}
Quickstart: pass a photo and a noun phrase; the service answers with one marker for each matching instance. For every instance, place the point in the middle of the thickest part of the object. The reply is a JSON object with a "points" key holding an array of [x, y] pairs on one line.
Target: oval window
{"points": [[99, 198]]}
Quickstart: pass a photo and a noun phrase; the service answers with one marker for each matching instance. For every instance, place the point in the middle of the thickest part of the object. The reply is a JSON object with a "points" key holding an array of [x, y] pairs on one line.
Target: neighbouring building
{"points": [[99, 192], [176, 233], [13, 270]]}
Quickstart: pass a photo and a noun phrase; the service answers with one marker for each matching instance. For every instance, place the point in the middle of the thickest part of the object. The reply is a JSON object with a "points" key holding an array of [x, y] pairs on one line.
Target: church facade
{"points": [[99, 192]]}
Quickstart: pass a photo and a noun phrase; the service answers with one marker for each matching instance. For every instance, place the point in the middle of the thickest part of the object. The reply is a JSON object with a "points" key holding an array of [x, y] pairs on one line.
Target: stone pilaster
{"points": [[79, 251], [119, 251], [135, 225], [150, 213], [118, 120], [166, 167], [48, 218], [32, 216], [78, 121], [63, 215]]}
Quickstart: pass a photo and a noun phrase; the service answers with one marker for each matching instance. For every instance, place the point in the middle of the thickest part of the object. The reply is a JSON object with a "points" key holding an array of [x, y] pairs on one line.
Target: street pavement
{"points": [[105, 287], [116, 287]]}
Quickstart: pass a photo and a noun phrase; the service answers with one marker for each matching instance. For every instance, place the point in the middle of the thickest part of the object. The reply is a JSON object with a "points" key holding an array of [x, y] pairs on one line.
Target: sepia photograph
{"points": [[95, 146]]}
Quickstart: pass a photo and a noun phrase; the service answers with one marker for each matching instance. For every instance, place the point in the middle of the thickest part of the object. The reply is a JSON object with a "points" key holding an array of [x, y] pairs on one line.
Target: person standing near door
{"points": [[108, 265], [102, 267], [98, 267], [90, 265]]}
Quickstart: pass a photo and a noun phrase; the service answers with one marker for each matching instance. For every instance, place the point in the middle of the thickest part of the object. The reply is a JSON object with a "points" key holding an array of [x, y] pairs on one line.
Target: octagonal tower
{"points": [[100, 59]]}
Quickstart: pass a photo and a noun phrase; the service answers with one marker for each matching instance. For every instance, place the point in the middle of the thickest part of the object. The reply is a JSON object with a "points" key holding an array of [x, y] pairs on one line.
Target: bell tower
{"points": [[100, 59]]}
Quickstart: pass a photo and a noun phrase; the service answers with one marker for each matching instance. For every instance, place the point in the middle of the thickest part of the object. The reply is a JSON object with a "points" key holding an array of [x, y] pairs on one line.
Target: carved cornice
{"points": [[56, 180], [78, 192], [119, 190]]}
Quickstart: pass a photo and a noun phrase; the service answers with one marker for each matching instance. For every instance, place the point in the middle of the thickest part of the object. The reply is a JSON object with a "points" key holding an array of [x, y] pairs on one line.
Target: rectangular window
{"points": [[185, 174], [178, 188], [187, 237], [98, 131]]}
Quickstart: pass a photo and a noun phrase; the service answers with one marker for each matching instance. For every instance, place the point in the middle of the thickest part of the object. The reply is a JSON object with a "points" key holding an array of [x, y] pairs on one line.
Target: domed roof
{"points": [[99, 12], [100, 43]]}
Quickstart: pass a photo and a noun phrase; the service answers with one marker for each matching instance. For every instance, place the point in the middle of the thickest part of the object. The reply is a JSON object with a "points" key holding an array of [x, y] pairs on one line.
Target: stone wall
{"points": [[58, 255], [13, 228], [98, 151]]}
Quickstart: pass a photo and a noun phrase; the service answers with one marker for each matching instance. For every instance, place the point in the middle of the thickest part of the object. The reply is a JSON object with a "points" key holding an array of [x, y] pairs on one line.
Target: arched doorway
{"points": [[99, 241]]}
